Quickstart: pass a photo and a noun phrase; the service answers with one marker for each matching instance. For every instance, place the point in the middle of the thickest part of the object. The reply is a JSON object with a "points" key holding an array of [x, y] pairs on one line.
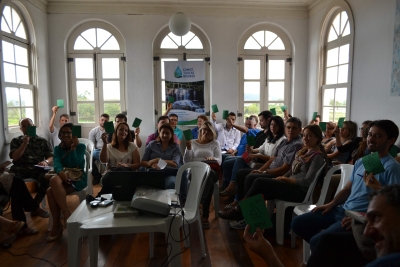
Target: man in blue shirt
{"points": [[354, 196]]}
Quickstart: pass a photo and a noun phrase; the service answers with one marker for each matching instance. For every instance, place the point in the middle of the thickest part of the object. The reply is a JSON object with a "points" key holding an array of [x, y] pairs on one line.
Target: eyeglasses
{"points": [[66, 133]]}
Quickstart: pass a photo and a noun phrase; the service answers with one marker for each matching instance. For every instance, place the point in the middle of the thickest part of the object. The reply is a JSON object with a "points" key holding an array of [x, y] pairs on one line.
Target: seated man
{"points": [[26, 152], [173, 121], [383, 216], [200, 120], [278, 165], [354, 196], [64, 118], [135, 134], [95, 137], [232, 165], [228, 136], [153, 136]]}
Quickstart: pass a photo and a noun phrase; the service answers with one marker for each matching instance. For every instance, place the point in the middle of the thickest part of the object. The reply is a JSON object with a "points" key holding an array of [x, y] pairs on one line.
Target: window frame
{"points": [[335, 8], [245, 54], [29, 44], [97, 68]]}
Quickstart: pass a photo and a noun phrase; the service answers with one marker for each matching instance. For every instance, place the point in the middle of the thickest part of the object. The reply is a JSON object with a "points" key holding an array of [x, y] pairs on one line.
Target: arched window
{"points": [[193, 46], [264, 70], [337, 38], [97, 72], [17, 80]]}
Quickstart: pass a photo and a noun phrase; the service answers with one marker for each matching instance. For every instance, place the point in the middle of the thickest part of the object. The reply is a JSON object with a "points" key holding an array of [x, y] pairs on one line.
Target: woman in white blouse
{"points": [[120, 155], [206, 148]]}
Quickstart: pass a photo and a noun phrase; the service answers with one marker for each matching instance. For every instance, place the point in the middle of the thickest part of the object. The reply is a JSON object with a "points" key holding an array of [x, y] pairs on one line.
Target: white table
{"points": [[92, 222]]}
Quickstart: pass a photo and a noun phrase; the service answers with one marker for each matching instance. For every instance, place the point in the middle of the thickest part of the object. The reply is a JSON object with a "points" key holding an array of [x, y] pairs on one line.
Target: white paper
{"points": [[162, 164]]}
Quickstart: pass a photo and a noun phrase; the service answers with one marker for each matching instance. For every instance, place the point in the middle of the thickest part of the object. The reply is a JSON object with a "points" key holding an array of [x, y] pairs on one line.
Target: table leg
{"points": [[94, 250], [175, 246], [74, 244]]}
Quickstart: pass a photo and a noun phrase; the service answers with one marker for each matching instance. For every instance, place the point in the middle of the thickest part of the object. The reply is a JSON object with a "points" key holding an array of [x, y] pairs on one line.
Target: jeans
{"points": [[308, 226], [227, 170], [95, 171]]}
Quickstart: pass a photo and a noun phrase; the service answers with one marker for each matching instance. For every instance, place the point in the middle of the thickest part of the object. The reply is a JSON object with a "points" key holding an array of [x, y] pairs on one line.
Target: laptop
{"points": [[125, 183]]}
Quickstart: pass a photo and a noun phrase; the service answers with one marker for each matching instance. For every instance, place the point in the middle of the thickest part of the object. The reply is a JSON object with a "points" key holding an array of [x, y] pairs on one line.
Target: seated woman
{"points": [[275, 136], [205, 148], [344, 136], [200, 120], [165, 148], [120, 155], [21, 202], [293, 185], [69, 154], [330, 127]]}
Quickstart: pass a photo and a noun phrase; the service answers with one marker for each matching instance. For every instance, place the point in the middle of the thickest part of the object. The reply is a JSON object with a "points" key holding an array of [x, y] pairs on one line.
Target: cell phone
{"points": [[105, 203], [94, 203]]}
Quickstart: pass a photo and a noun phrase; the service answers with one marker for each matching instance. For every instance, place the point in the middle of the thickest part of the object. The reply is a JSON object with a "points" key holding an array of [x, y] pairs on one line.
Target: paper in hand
{"points": [[340, 122], [314, 115], [372, 164], [188, 134], [77, 131], [255, 213], [273, 111], [214, 108], [162, 164], [283, 108], [225, 114], [251, 140], [31, 131], [322, 125], [60, 103], [136, 123], [109, 127], [171, 99]]}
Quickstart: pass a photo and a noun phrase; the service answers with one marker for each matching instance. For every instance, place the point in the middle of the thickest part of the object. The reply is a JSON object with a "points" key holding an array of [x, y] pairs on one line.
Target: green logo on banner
{"points": [[178, 73]]}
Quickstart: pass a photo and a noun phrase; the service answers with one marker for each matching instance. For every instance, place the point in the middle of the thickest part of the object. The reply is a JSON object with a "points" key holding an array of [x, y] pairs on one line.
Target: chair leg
{"points": [[185, 227], [151, 244], [293, 239], [280, 221], [201, 237], [216, 199], [306, 252]]}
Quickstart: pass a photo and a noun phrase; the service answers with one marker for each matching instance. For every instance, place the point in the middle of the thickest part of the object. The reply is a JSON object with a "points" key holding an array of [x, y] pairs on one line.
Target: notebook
{"points": [[125, 183]]}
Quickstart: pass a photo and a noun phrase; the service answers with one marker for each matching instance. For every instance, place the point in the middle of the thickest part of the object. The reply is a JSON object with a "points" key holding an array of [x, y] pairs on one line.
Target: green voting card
{"points": [[393, 151], [136, 122], [77, 131], [225, 114], [372, 163], [314, 115], [322, 125], [60, 103], [109, 127], [171, 99], [251, 140], [31, 131], [283, 108], [273, 111], [188, 134], [214, 108], [340, 122], [255, 213]]}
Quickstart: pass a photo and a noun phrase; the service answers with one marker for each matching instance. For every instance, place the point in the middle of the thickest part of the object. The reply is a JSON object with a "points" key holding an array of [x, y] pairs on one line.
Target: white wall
{"points": [[139, 31], [39, 21], [372, 65]]}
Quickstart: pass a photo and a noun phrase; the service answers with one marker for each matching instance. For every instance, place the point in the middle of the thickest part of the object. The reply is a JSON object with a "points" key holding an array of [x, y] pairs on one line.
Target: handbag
{"points": [[73, 174]]}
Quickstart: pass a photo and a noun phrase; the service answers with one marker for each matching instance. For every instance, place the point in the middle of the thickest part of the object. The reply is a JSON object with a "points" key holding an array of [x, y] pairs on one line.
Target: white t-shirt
{"points": [[269, 149], [115, 156], [95, 137], [55, 141]]}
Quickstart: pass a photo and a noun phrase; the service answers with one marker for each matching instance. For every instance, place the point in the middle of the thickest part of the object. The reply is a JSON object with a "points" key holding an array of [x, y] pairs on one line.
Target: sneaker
{"points": [[232, 214], [238, 225]]}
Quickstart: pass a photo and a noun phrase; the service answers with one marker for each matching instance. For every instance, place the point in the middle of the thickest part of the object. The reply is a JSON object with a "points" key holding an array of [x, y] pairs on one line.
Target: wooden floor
{"points": [[225, 247]]}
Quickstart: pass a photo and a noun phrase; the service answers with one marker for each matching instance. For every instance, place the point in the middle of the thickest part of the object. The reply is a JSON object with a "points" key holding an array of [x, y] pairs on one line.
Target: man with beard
{"points": [[354, 196], [383, 217]]}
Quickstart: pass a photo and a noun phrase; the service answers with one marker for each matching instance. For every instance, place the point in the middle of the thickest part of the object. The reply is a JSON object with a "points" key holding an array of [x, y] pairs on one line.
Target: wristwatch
{"points": [[264, 171], [46, 161]]}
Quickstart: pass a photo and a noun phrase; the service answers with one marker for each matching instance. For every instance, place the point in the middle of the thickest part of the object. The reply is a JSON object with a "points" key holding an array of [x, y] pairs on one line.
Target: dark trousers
{"points": [[21, 200], [38, 175], [245, 180], [274, 189], [336, 249], [208, 192]]}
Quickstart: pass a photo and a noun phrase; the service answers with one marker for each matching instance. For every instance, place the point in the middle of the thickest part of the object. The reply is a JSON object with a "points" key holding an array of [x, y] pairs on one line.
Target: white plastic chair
{"points": [[346, 171], [200, 172], [216, 198], [82, 193], [89, 146], [282, 205]]}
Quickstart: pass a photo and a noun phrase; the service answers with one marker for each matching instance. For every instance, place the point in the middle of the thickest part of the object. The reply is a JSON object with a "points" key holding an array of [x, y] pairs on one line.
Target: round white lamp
{"points": [[179, 24]]}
